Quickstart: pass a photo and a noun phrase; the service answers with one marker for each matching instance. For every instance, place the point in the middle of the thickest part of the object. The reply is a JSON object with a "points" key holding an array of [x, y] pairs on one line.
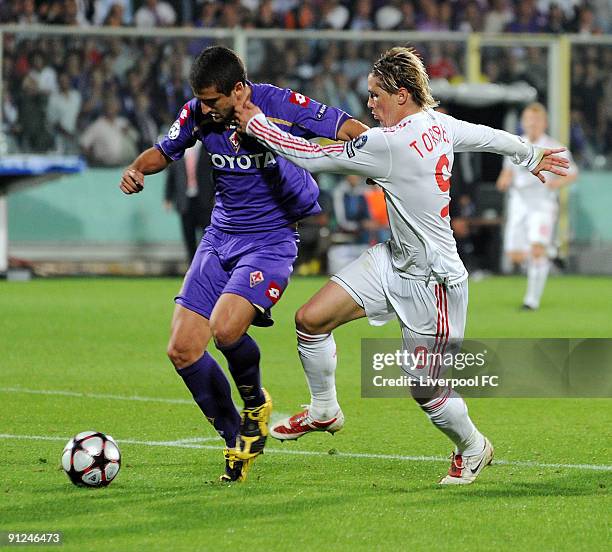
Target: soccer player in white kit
{"points": [[417, 276], [532, 208]]}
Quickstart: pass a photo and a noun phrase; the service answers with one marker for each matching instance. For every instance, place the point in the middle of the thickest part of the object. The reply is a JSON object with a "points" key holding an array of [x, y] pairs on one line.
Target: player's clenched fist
{"points": [[132, 181]]}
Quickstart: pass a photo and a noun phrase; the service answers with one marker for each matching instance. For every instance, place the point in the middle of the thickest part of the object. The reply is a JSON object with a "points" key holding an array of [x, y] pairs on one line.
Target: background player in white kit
{"points": [[417, 276], [532, 208]]}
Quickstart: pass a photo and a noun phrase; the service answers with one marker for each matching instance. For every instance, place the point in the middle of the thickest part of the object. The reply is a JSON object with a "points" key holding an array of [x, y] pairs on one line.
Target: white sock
{"points": [[537, 273], [449, 414], [318, 356]]}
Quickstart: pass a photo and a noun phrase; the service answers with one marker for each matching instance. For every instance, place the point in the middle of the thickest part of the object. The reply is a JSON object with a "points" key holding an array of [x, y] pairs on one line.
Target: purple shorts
{"points": [[254, 266]]}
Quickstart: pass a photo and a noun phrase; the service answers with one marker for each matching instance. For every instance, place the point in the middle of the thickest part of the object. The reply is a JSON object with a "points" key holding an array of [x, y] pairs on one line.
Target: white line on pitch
{"points": [[186, 443], [276, 416], [92, 395]]}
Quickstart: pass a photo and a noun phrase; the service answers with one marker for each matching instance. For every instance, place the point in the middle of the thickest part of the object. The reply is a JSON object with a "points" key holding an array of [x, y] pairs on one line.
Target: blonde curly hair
{"points": [[401, 67]]}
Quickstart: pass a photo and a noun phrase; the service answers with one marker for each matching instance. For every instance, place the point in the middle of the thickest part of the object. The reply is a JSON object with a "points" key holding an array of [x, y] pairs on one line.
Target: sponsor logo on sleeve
{"points": [[273, 292], [256, 277], [360, 141], [299, 99], [175, 130], [184, 115], [321, 112]]}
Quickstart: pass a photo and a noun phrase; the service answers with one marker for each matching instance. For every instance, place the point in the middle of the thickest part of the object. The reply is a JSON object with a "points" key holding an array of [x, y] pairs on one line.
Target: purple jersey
{"points": [[255, 189]]}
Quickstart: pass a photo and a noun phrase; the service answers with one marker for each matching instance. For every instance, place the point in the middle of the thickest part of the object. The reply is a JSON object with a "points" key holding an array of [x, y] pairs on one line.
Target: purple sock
{"points": [[243, 362], [211, 390]]}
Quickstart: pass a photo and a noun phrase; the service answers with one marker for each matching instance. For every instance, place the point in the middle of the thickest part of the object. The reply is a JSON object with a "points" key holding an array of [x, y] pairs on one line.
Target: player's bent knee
{"points": [[182, 356], [226, 334], [306, 321]]}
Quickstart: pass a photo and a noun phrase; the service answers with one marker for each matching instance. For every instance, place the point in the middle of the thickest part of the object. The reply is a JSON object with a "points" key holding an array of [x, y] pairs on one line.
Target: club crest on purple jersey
{"points": [[256, 277], [234, 139]]}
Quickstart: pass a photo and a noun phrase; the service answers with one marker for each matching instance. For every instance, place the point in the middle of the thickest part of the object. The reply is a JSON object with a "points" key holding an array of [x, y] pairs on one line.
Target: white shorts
{"points": [[526, 225], [432, 315]]}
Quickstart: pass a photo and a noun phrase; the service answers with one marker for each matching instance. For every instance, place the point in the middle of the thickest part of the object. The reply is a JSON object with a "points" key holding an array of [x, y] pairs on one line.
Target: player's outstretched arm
{"points": [[350, 129], [368, 155], [550, 162], [150, 161]]}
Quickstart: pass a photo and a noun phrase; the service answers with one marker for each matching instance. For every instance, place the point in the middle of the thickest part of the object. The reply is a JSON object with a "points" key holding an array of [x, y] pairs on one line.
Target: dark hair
{"points": [[217, 66]]}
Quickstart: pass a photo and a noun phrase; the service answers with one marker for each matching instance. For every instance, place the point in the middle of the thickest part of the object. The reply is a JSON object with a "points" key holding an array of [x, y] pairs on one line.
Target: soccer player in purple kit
{"points": [[246, 256]]}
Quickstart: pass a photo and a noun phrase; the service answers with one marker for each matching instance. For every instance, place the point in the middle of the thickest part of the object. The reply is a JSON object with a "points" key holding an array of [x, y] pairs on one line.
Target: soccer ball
{"points": [[91, 459]]}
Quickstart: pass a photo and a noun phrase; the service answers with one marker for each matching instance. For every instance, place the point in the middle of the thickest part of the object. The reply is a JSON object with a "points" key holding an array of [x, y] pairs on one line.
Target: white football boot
{"points": [[302, 423], [464, 469]]}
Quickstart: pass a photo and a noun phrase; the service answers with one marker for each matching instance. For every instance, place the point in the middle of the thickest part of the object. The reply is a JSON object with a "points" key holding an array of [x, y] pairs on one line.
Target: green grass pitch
{"points": [[101, 342]]}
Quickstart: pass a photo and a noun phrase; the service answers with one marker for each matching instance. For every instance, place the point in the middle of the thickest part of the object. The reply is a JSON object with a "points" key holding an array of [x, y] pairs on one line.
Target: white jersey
{"points": [[412, 162], [528, 189]]}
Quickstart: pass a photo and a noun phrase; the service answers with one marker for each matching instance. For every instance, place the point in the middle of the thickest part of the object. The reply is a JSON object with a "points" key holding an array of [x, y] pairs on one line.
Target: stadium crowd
{"points": [[523, 16], [111, 96]]}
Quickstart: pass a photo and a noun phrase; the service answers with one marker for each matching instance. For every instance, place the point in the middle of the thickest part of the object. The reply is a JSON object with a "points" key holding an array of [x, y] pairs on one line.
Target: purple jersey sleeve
{"points": [[181, 135], [304, 116]]}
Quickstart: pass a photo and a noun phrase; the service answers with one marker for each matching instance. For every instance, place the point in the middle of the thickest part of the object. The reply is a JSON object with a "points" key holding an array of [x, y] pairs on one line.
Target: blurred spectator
{"points": [[10, 119], [354, 65], [377, 207], [429, 18], [556, 22], [352, 211], [533, 73], [362, 16], [527, 18], [463, 211], [265, 17], [470, 21], [498, 16], [27, 13], [148, 131], [176, 92], [115, 16], [190, 190], [305, 17], [230, 16], [131, 87], [155, 13], [568, 7], [109, 10], [389, 16], [42, 76], [32, 121], [62, 113], [440, 66], [75, 71], [334, 15], [93, 95], [73, 14], [315, 237], [592, 90], [345, 98], [110, 140], [408, 21], [587, 25]]}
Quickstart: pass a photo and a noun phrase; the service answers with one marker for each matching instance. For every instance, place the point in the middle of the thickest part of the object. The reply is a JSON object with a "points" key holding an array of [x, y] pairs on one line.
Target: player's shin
{"points": [[318, 357], [537, 273], [211, 391], [449, 413], [243, 358]]}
